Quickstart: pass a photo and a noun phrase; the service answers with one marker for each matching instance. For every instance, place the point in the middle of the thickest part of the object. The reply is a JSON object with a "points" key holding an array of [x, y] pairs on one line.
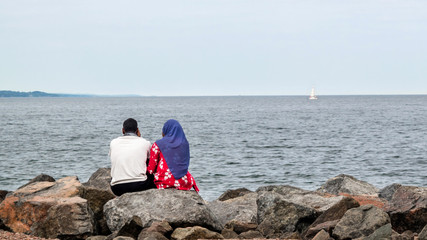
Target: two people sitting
{"points": [[136, 165]]}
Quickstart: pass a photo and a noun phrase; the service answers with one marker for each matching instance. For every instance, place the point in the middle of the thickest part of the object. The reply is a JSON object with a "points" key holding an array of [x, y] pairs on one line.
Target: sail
{"points": [[312, 95]]}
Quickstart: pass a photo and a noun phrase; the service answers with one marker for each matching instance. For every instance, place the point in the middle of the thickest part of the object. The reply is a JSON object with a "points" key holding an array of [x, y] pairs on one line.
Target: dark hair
{"points": [[130, 125]]}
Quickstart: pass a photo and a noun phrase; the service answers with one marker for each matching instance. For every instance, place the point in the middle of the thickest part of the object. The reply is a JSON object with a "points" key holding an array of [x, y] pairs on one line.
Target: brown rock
{"points": [[330, 217], [322, 235], [40, 178], [145, 235], [251, 234], [367, 199], [423, 234], [360, 222], [196, 232], [162, 227], [48, 209], [240, 227], [408, 209], [230, 194], [97, 192], [228, 233]]}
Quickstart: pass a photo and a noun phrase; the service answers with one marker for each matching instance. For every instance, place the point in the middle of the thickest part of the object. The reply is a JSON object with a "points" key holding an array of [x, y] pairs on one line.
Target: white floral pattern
{"points": [[163, 176]]}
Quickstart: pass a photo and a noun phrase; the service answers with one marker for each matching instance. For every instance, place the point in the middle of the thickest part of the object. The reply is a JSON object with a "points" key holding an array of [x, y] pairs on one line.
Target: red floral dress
{"points": [[163, 177]]}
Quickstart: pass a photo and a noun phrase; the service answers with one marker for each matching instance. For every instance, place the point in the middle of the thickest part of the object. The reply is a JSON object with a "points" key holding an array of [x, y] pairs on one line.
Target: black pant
{"points": [[120, 189]]}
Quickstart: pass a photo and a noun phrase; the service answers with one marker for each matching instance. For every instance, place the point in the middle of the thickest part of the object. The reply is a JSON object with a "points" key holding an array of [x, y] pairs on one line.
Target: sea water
{"points": [[234, 141]]}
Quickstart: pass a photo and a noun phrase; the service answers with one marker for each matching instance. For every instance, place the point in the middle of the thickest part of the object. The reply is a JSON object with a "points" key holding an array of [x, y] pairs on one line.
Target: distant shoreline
{"points": [[38, 94]]}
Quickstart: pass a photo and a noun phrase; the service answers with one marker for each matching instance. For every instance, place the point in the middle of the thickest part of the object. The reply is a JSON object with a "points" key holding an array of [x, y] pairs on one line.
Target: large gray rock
{"points": [[179, 208], [360, 222], [242, 209], [408, 209], [277, 215], [283, 209], [347, 184], [97, 192], [383, 232]]}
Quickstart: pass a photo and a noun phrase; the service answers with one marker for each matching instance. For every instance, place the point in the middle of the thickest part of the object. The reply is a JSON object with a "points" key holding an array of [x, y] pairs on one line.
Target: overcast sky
{"points": [[214, 47]]}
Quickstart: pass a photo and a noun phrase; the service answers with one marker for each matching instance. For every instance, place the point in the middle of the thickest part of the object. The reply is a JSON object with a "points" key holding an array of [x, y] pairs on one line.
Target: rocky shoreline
{"points": [[342, 208]]}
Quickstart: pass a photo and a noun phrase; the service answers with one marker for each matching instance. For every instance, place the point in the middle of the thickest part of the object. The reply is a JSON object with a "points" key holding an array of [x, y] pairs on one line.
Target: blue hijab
{"points": [[175, 148]]}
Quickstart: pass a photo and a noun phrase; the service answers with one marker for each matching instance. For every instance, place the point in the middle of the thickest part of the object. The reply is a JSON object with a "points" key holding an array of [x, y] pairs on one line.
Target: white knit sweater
{"points": [[128, 156]]}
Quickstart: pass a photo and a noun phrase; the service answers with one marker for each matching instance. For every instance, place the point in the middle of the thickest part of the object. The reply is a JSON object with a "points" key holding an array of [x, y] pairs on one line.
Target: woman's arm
{"points": [[154, 158]]}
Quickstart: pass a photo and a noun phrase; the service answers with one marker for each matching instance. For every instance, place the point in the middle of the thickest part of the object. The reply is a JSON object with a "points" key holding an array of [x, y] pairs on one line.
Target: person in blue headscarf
{"points": [[170, 159]]}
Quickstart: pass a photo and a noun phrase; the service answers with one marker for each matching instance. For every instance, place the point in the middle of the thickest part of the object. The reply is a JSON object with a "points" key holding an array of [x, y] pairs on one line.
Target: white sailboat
{"points": [[312, 95]]}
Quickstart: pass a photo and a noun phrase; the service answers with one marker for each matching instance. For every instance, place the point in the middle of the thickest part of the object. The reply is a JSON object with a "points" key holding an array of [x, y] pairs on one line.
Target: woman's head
{"points": [[171, 127]]}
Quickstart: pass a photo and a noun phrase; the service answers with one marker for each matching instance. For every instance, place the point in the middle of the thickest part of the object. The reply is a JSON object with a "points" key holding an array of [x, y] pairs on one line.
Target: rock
{"points": [[123, 238], [423, 234], [196, 232], [322, 235], [242, 209], [360, 222], [330, 217], [367, 199], [408, 209], [151, 236], [228, 233], [131, 229], [230, 194], [283, 209], [240, 227], [179, 208], [40, 178], [388, 192], [98, 237], [347, 184], [97, 192], [100, 179], [251, 234], [3, 194], [162, 227], [324, 226], [383, 232], [48, 209]]}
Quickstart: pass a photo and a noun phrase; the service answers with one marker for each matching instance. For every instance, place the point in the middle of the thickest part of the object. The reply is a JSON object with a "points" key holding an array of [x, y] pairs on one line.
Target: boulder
{"points": [[3, 194], [230, 194], [242, 209], [40, 178], [276, 215], [98, 237], [251, 234], [383, 232], [240, 227], [347, 184], [131, 229], [283, 209], [423, 234], [48, 209], [360, 222], [179, 208], [330, 217], [193, 233], [408, 209], [388, 192], [97, 192], [157, 231], [228, 233], [151, 236], [322, 235]]}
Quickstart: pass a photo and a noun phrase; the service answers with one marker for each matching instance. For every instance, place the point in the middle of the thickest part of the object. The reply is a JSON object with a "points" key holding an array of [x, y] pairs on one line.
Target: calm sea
{"points": [[234, 141]]}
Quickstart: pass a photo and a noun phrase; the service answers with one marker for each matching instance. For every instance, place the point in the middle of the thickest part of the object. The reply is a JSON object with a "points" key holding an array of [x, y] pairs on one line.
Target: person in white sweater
{"points": [[128, 155]]}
